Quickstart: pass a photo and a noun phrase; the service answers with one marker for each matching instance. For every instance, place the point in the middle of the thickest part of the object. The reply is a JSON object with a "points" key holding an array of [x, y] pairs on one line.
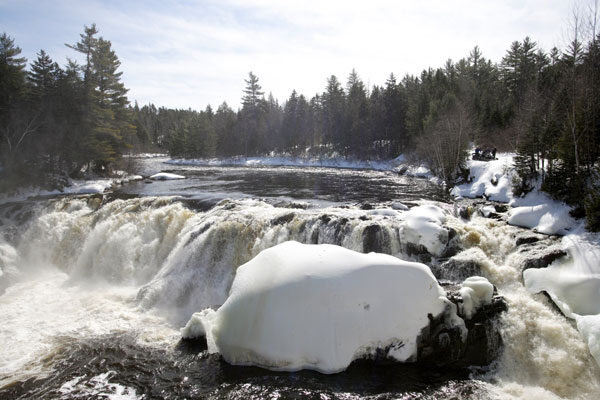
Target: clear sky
{"points": [[193, 53]]}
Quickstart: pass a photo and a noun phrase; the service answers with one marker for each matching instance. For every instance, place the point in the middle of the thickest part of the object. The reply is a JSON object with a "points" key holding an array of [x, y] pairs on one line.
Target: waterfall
{"points": [[154, 261]]}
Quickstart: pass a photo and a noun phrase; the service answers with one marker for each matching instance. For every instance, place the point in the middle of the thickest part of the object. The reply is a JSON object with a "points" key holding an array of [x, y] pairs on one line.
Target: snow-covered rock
{"points": [[423, 227], [475, 291], [165, 176], [320, 307]]}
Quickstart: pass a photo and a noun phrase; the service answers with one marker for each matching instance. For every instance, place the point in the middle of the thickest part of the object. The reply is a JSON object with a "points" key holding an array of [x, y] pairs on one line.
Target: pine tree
{"points": [[44, 74]]}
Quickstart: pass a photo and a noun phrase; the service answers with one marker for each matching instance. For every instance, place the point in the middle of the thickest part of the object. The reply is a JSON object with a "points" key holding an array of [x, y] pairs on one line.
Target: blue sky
{"points": [[193, 53]]}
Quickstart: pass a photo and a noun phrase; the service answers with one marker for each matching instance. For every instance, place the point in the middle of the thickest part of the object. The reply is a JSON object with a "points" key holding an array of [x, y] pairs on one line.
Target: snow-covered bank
{"points": [[536, 210], [73, 186], [319, 307]]}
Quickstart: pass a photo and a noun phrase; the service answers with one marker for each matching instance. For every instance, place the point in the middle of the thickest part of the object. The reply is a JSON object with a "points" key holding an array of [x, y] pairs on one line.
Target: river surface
{"points": [[94, 289]]}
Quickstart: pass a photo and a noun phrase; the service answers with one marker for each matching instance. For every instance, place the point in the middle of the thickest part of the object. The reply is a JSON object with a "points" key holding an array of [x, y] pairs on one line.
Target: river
{"points": [[94, 289]]}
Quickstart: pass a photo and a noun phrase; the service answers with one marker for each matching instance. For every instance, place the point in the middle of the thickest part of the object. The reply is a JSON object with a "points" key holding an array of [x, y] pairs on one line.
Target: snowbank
{"points": [[319, 307], [536, 210], [423, 226], [492, 179], [550, 218], [574, 285], [165, 176]]}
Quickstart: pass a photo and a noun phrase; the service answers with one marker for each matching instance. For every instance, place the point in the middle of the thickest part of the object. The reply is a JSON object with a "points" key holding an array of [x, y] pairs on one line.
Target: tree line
{"points": [[542, 105], [56, 121]]}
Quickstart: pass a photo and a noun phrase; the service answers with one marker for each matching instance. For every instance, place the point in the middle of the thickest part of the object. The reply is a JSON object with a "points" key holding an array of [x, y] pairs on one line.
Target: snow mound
{"points": [[549, 218], [475, 291], [297, 306], [165, 176], [573, 284], [492, 179], [423, 226]]}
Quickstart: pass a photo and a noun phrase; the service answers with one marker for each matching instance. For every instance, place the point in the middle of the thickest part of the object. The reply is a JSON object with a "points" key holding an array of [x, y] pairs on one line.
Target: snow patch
{"points": [[165, 176], [319, 307]]}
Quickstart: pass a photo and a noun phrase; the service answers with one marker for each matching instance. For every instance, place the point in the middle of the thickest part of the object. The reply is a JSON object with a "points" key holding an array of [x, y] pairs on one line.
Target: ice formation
{"points": [[297, 306]]}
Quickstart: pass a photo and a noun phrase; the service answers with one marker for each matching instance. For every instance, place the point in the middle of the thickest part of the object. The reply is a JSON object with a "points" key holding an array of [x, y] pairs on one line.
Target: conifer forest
{"points": [[59, 121]]}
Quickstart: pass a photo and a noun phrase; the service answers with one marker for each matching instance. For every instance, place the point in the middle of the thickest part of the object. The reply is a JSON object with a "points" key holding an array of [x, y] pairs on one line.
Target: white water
{"points": [[145, 265]]}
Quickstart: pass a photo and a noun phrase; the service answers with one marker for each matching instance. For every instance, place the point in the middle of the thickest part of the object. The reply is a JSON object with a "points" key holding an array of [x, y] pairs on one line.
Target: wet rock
{"points": [[366, 206], [542, 257], [417, 251], [325, 218], [528, 238], [453, 246], [283, 219], [375, 239], [442, 345], [456, 269], [402, 169], [465, 212], [363, 218], [199, 232], [501, 208]]}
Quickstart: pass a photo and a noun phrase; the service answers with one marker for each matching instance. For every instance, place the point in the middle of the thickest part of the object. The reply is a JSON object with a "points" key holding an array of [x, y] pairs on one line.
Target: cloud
{"points": [[191, 53]]}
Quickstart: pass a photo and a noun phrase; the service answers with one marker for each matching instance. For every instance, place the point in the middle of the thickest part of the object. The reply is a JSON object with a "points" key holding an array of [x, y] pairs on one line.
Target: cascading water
{"points": [[84, 273]]}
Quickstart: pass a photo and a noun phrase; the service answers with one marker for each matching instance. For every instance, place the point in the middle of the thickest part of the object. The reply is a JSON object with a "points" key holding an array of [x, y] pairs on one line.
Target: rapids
{"points": [[94, 289]]}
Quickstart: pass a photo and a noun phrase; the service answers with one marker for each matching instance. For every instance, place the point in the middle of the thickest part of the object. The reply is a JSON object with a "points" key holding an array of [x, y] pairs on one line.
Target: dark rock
{"points": [[375, 239], [147, 181], [418, 251], [501, 208], [363, 218], [325, 218], [465, 212], [283, 219], [442, 345], [454, 245], [402, 170], [366, 206], [543, 257], [526, 239], [199, 232], [456, 270]]}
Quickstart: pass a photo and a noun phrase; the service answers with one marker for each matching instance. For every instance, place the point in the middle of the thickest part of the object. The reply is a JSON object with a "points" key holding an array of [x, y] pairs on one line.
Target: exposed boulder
{"points": [[444, 344], [456, 269], [540, 255]]}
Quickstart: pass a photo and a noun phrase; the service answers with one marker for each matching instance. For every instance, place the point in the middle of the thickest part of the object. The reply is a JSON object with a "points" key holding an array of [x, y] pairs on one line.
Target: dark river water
{"points": [[318, 186]]}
